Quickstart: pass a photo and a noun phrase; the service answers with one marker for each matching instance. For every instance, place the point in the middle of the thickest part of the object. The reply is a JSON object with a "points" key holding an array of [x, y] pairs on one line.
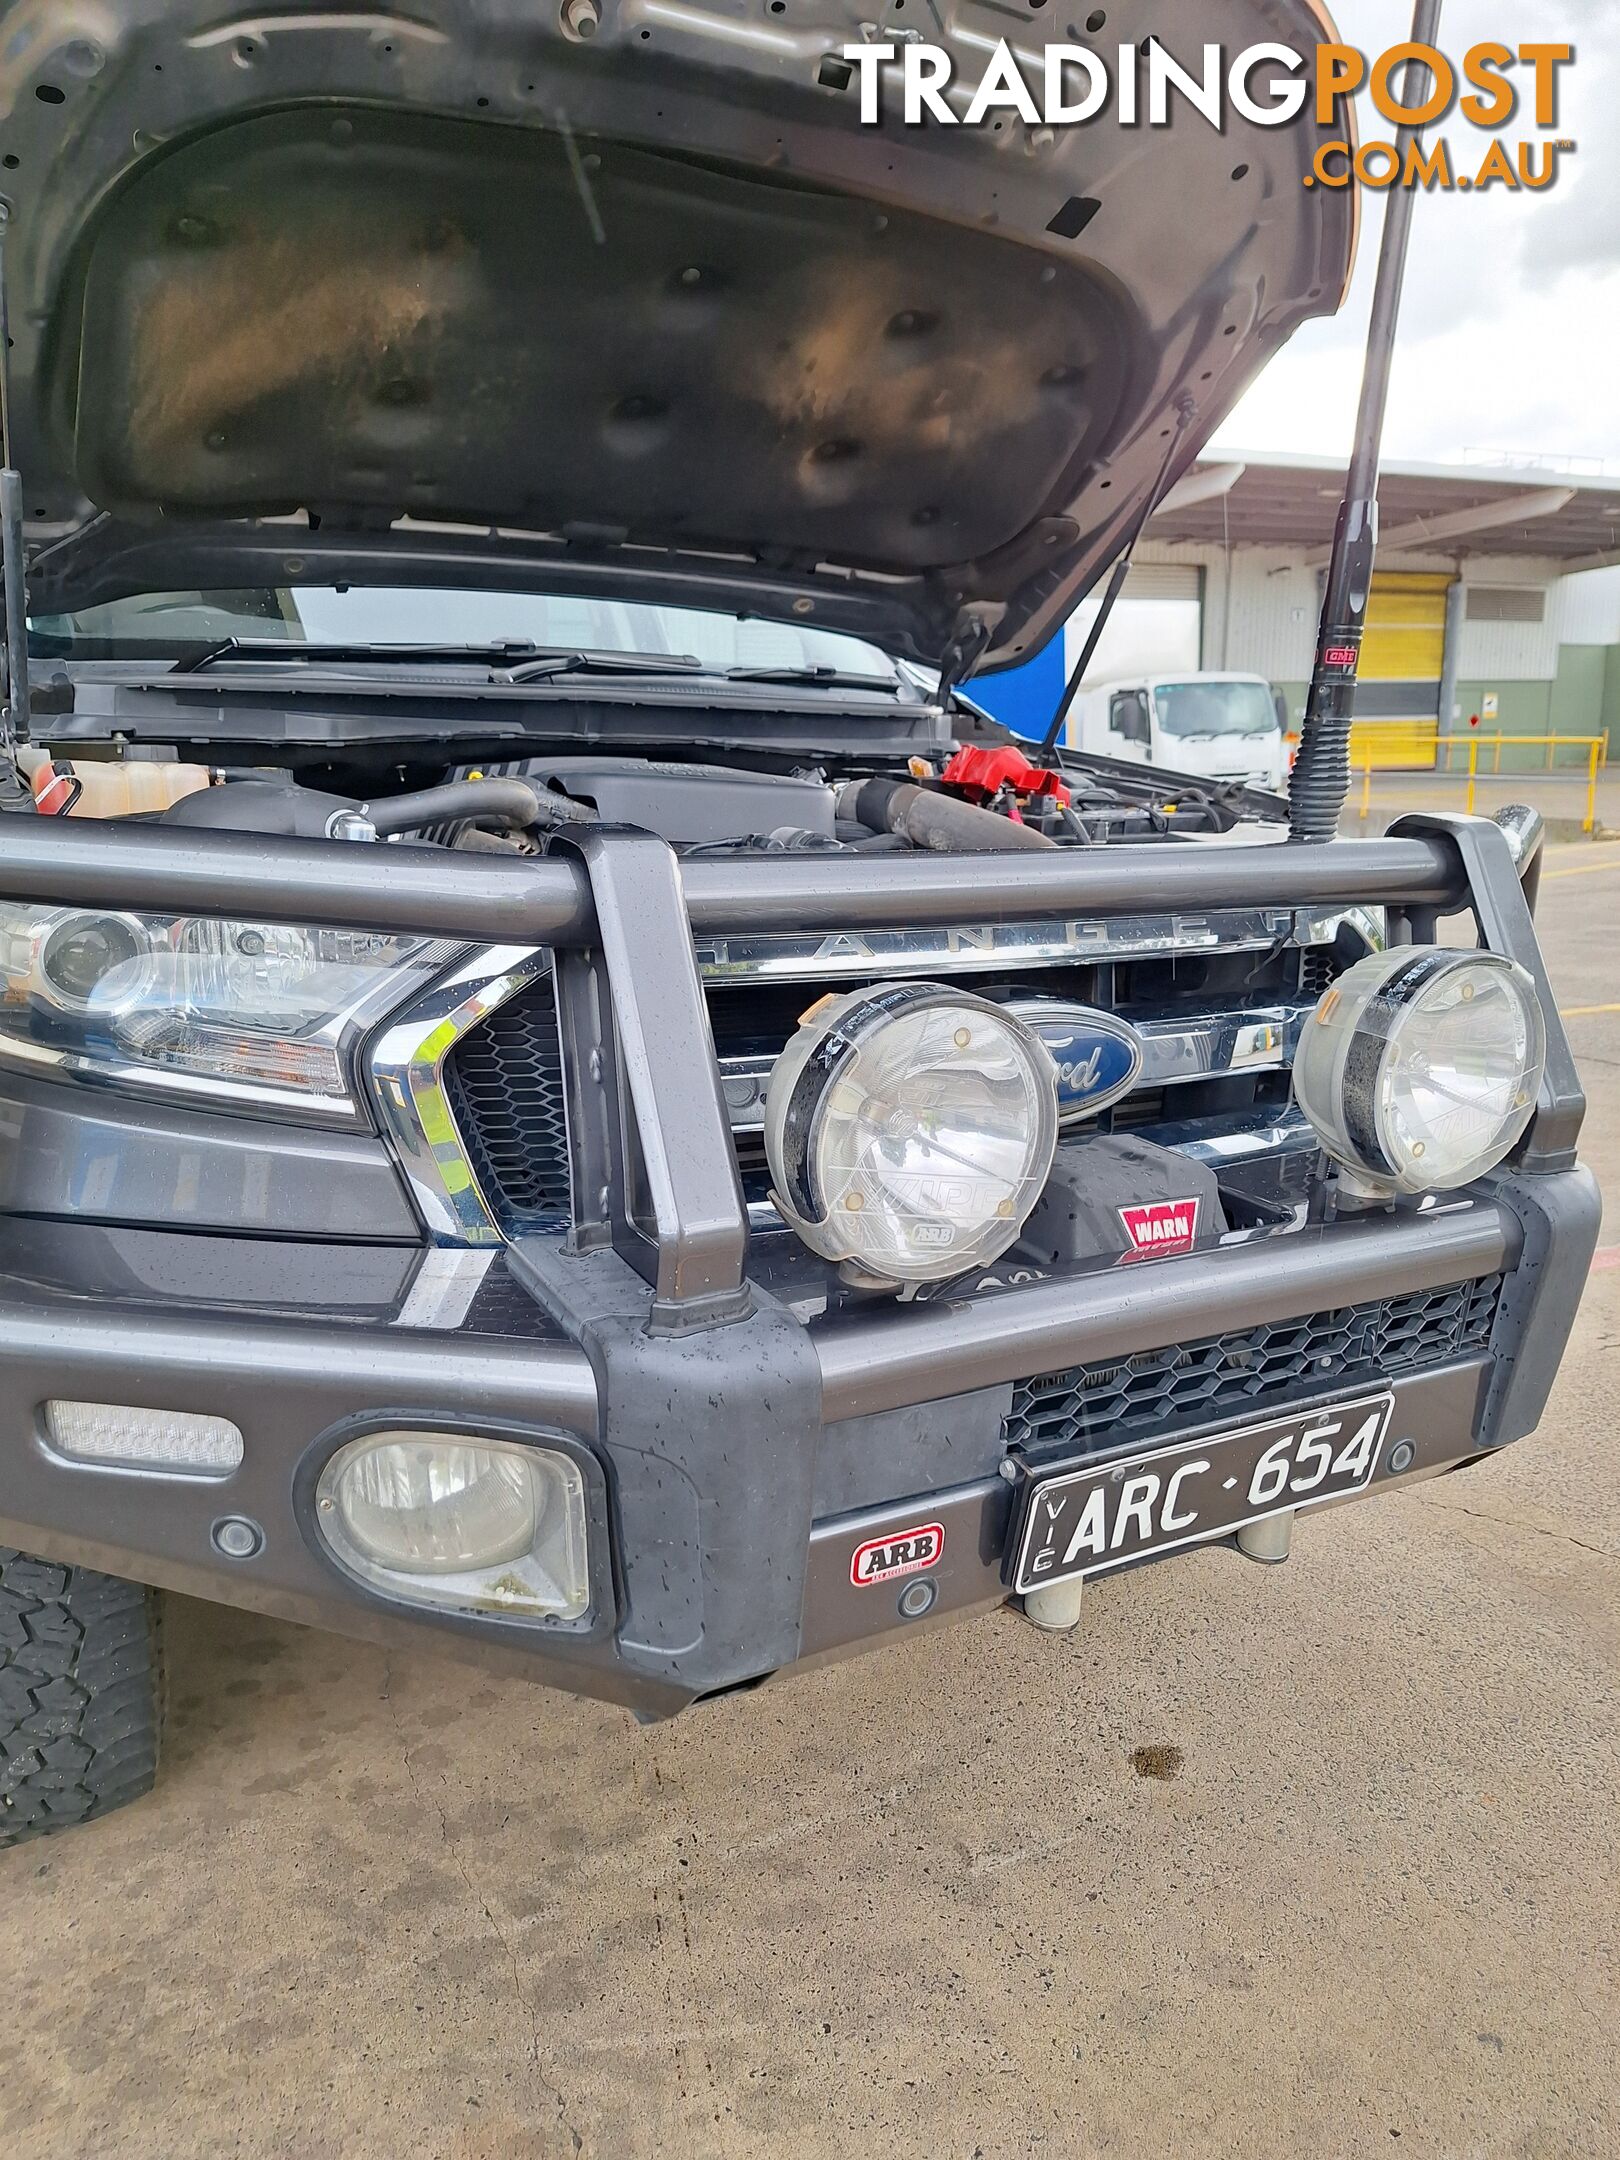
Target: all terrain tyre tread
{"points": [[82, 1694]]}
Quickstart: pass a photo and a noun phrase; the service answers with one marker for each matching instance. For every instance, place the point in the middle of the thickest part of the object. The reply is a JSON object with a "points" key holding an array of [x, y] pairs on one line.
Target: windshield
{"points": [[171, 624], [1215, 708]]}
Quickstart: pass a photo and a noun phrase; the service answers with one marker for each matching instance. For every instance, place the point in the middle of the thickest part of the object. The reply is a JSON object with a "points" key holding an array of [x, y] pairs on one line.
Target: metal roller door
{"points": [[1402, 657], [1163, 581]]}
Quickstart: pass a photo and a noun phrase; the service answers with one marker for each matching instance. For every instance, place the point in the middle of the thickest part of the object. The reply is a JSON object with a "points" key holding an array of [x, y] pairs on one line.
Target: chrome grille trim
{"points": [[407, 1056], [816, 956], [406, 1069], [1177, 1047]]}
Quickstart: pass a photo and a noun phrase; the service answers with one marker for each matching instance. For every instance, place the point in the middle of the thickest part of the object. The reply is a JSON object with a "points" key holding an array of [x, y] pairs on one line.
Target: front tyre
{"points": [[81, 1694]]}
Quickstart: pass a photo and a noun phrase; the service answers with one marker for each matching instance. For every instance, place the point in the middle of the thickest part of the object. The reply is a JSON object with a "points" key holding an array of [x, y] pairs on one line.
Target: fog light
{"points": [[121, 1436], [433, 1507], [485, 1525]]}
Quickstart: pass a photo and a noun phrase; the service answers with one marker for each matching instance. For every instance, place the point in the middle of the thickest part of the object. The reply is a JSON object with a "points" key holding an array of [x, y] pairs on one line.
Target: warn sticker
{"points": [[1160, 1226], [907, 1552]]}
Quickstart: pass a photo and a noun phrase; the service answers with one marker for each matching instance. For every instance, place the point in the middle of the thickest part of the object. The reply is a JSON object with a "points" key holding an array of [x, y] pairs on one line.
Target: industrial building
{"points": [[1495, 609]]}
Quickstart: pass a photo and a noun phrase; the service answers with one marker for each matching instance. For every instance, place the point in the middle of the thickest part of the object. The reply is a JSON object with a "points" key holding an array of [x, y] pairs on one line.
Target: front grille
{"points": [[1223, 1374], [1148, 1106], [504, 1084]]}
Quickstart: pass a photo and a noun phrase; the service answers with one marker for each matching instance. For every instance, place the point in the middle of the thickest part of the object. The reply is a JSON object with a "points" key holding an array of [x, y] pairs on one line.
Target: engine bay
{"points": [[971, 797]]}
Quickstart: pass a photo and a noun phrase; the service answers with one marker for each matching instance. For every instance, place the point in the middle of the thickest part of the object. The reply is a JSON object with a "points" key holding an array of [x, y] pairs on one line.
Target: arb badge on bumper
{"points": [[908, 1552]]}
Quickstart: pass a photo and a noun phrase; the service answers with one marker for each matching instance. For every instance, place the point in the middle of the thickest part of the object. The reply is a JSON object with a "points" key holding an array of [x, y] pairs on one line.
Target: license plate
{"points": [[1084, 1522]]}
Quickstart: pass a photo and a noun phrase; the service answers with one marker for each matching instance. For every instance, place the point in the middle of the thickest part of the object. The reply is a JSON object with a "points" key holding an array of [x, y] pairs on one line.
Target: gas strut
{"points": [[1122, 570], [1321, 775], [14, 710]]}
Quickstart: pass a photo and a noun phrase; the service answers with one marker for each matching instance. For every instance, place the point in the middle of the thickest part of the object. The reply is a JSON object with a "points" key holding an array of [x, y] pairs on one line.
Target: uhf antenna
{"points": [[1321, 776]]}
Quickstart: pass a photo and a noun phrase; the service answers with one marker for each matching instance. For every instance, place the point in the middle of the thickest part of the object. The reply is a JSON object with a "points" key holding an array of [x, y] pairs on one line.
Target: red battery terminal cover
{"points": [[981, 775]]}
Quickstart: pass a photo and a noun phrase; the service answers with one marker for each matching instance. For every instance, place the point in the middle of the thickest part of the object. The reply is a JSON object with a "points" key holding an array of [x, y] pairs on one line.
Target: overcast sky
{"points": [[1510, 329]]}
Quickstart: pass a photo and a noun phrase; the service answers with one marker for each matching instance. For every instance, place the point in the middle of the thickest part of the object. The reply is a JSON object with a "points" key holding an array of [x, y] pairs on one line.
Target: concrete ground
{"points": [[1315, 1860], [1560, 797]]}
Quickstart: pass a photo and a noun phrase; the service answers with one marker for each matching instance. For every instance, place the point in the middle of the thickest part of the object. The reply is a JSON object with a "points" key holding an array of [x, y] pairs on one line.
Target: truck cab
{"points": [[1218, 725]]}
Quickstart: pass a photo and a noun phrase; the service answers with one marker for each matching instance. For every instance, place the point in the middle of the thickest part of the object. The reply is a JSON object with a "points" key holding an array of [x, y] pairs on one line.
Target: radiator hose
{"points": [[501, 801], [943, 824], [281, 807]]}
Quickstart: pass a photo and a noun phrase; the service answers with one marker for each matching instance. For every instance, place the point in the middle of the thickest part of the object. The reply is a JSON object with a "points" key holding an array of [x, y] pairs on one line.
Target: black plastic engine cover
{"points": [[688, 804]]}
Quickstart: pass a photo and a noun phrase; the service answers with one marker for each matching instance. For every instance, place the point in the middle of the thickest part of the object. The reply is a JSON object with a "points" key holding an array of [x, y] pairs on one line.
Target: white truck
{"points": [[1217, 726]]}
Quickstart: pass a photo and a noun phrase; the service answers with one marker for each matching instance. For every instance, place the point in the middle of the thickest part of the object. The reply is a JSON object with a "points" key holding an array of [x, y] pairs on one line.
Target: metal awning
{"points": [[1280, 501]]}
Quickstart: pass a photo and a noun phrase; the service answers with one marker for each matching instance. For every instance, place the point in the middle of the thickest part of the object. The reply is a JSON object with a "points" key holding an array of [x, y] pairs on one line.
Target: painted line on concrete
{"points": [[1582, 1012], [1585, 869]]}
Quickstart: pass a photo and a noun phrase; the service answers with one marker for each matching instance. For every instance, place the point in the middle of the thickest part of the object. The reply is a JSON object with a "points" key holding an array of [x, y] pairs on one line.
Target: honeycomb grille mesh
{"points": [[504, 1083], [1317, 968], [1223, 1374]]}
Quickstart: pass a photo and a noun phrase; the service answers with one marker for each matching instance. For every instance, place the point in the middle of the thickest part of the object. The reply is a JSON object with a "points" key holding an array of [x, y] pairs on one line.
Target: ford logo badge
{"points": [[1098, 1057]]}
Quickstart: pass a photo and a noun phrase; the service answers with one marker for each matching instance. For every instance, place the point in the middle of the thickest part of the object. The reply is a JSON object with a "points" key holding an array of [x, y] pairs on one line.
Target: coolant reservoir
{"points": [[112, 788]]}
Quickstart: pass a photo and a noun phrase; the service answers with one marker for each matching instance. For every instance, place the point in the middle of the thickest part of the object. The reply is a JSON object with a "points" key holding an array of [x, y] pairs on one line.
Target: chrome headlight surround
{"points": [[243, 1015], [1420, 1067]]}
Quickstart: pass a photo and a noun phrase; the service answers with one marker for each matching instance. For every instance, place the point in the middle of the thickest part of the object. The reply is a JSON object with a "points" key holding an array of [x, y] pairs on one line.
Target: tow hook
{"points": [[1268, 1541], [1056, 1609]]}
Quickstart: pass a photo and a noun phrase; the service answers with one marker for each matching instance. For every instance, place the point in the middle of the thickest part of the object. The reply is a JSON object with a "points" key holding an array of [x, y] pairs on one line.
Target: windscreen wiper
{"points": [[249, 648], [821, 673], [540, 666], [517, 660]]}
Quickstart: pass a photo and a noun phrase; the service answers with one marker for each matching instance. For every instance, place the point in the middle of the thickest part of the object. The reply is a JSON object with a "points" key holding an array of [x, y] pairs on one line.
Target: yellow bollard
{"points": [[1366, 789], [1591, 783], [1473, 771]]}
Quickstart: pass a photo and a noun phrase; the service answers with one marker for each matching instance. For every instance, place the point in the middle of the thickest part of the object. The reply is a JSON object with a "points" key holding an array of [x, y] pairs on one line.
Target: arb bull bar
{"points": [[696, 1402]]}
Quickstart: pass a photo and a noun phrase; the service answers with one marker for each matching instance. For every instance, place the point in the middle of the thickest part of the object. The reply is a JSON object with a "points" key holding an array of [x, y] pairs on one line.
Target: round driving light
{"points": [[910, 1130], [1420, 1066]]}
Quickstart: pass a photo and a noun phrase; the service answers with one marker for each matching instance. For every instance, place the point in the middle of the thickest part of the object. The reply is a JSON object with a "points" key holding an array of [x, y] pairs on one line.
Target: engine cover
{"points": [[686, 804]]}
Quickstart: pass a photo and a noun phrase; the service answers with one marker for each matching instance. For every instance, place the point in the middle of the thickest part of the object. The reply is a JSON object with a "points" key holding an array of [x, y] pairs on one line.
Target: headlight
{"points": [[910, 1130], [254, 1012], [483, 1525], [1420, 1066]]}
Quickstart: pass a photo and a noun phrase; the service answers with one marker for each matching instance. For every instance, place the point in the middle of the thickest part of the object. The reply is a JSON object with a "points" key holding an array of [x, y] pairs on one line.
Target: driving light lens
{"points": [[1420, 1067], [910, 1131], [484, 1525]]}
